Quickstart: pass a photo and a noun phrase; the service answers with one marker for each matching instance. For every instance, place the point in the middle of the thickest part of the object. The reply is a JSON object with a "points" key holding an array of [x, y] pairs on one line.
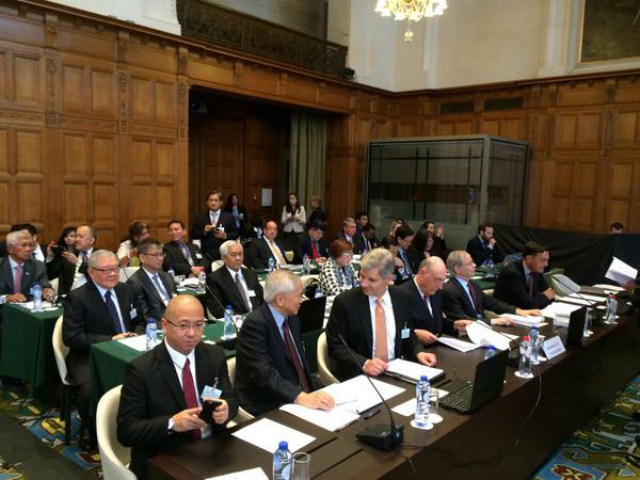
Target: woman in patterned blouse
{"points": [[337, 273]]}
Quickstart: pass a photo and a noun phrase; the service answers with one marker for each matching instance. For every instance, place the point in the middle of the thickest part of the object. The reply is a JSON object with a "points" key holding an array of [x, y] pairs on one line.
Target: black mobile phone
{"points": [[208, 406], [57, 250]]}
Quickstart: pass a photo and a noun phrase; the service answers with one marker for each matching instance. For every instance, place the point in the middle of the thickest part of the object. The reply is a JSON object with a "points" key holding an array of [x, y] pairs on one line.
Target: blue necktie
{"points": [[113, 313], [163, 293]]}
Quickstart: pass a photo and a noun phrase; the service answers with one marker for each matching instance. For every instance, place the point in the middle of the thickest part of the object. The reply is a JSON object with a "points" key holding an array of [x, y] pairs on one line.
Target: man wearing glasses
{"points": [[164, 389], [152, 287], [102, 309]]}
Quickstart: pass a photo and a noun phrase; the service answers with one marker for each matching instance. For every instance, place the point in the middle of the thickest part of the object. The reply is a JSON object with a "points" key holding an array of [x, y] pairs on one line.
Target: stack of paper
{"points": [[332, 420], [412, 371], [251, 474], [560, 312], [528, 321], [357, 394], [620, 272], [139, 342], [458, 344], [482, 335]]}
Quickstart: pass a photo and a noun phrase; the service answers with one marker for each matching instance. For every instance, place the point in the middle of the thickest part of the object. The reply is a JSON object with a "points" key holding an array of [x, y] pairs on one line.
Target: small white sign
{"points": [[553, 347], [266, 197]]}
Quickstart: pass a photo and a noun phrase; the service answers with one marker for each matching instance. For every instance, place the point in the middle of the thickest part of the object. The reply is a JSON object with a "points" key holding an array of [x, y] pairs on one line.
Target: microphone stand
{"points": [[380, 436]]}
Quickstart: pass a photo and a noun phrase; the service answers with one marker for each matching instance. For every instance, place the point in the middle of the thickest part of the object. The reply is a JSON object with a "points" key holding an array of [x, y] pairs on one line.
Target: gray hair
{"points": [[430, 262], [348, 221], [455, 259], [280, 282], [224, 248], [98, 255], [379, 259], [13, 238]]}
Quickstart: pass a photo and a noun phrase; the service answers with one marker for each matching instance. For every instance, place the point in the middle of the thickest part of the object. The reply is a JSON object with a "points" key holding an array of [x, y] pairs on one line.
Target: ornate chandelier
{"points": [[410, 10]]}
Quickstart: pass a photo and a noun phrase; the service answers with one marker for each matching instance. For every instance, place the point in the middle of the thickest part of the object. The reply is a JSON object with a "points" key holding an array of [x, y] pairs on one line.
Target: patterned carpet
{"points": [[9, 472], [598, 451], [49, 428]]}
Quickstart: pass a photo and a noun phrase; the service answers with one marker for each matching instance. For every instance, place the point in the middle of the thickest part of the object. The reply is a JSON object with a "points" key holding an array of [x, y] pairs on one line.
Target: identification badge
{"points": [[252, 293], [199, 256], [404, 333], [210, 392], [133, 313]]}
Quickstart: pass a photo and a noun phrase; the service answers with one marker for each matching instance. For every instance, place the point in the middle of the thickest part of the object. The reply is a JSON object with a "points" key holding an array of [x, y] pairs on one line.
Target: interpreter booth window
{"points": [[455, 181]]}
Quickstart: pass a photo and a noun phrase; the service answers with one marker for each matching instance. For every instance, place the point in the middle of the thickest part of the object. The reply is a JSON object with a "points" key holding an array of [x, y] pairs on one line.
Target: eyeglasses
{"points": [[107, 270], [184, 327], [157, 255], [348, 254]]}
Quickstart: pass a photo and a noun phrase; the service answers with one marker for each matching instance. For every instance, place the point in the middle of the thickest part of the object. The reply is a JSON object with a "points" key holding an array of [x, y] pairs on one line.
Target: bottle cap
{"points": [[525, 338], [283, 445], [423, 378]]}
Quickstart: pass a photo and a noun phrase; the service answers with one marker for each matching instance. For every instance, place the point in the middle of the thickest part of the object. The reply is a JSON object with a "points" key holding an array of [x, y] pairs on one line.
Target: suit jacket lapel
{"points": [[202, 369], [8, 273], [232, 287], [365, 320], [148, 284], [169, 375]]}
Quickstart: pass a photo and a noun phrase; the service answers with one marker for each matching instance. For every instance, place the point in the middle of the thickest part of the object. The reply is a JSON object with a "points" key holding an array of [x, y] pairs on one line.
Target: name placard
{"points": [[553, 347]]}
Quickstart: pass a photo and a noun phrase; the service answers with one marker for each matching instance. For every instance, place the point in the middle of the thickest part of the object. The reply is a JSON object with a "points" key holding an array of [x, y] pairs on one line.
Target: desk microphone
{"points": [[217, 300], [381, 436], [564, 286]]}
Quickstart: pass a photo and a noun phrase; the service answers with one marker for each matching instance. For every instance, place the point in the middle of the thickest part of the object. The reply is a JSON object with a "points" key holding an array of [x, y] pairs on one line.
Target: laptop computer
{"points": [[311, 314], [488, 383]]}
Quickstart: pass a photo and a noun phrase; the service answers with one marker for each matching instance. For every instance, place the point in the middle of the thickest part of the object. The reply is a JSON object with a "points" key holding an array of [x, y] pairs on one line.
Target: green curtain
{"points": [[308, 155]]}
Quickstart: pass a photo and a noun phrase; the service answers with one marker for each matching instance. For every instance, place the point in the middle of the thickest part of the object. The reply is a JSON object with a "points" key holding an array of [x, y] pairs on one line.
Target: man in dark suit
{"points": [[183, 257], [233, 284], [463, 298], [349, 233], [404, 236], [313, 245], [153, 288], [100, 310], [162, 393], [262, 249], [19, 271], [39, 251], [368, 238], [214, 226], [482, 247], [522, 283], [372, 307], [73, 267], [271, 367], [426, 302]]}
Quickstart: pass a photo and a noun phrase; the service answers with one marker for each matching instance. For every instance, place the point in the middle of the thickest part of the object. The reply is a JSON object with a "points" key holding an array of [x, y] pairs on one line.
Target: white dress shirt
{"points": [[390, 321]]}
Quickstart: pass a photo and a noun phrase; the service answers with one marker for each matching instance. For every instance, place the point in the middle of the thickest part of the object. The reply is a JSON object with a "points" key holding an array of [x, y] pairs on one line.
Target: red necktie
{"points": [[474, 295], [291, 348], [17, 282], [314, 250], [531, 284], [189, 390]]}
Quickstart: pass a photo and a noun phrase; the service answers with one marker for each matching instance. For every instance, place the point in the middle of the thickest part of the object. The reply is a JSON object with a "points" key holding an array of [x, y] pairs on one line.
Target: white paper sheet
{"points": [[457, 344], [267, 435], [413, 370], [29, 305], [620, 272], [331, 420], [139, 343], [251, 474], [484, 336], [357, 394], [559, 309], [609, 288], [592, 298], [406, 409]]}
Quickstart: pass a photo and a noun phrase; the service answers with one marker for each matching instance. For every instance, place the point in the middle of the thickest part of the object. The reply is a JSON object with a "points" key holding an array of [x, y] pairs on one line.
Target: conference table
{"points": [[27, 352], [508, 438]]}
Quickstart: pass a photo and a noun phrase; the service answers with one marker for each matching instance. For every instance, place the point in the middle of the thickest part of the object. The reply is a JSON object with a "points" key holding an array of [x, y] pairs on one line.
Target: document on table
{"points": [[267, 434], [609, 288], [139, 343], [251, 474], [45, 305], [528, 321], [580, 302], [482, 335], [585, 296], [357, 394], [332, 420], [457, 344], [620, 272], [412, 371]]}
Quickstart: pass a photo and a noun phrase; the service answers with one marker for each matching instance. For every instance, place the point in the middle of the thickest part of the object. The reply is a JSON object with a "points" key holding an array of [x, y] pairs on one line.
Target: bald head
{"points": [[431, 275], [181, 303], [183, 323]]}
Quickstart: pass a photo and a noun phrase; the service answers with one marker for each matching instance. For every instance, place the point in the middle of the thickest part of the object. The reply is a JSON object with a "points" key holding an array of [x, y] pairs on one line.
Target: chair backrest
{"points": [[216, 264], [231, 367], [113, 456], [323, 361], [60, 351]]}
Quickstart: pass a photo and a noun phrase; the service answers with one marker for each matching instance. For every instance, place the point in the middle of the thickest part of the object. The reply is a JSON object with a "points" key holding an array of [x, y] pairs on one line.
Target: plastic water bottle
{"points": [[423, 395], [172, 272], [524, 365], [229, 324], [490, 352], [152, 333], [318, 293], [491, 266], [306, 265], [534, 336], [36, 291], [612, 309], [272, 264], [282, 462], [202, 280]]}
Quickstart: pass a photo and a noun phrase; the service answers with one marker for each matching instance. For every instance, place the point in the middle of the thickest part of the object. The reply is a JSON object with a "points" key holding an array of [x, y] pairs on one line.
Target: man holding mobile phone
{"points": [[167, 389]]}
